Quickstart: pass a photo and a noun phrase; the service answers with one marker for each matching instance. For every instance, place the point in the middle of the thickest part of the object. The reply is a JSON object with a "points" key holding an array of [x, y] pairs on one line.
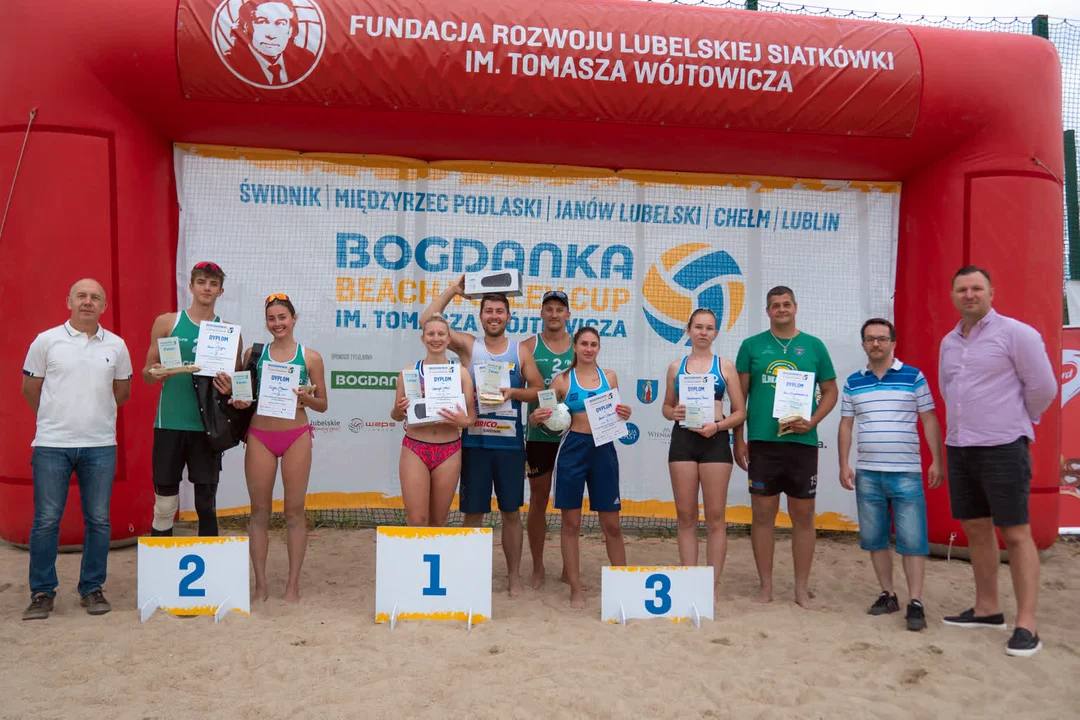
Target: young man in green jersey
{"points": [[553, 351], [782, 459], [179, 436]]}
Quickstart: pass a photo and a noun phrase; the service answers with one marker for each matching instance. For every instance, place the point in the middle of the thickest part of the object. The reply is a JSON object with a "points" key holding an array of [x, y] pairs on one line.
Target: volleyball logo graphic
{"points": [[687, 277]]}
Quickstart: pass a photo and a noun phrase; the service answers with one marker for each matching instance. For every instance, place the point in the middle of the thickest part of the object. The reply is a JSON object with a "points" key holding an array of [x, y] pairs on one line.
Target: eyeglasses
{"points": [[556, 295], [877, 340], [276, 296], [213, 267]]}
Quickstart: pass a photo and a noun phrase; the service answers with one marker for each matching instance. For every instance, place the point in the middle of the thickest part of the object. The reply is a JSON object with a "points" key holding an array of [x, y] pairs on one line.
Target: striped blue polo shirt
{"points": [[886, 413]]}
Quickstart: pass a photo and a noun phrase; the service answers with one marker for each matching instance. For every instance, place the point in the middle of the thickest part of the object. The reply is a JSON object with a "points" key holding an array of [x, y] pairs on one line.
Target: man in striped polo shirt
{"points": [[887, 398]]}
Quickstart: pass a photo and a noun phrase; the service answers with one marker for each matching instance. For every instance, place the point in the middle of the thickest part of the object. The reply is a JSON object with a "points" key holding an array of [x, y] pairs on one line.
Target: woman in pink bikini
{"points": [[272, 439], [431, 453]]}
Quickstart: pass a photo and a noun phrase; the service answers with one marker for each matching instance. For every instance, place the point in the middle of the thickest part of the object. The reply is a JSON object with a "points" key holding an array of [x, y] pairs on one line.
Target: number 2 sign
{"points": [[676, 593], [193, 576]]}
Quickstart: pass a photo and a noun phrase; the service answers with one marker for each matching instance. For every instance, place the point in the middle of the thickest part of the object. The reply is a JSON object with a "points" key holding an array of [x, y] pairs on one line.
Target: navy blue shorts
{"points": [[483, 469], [580, 463]]}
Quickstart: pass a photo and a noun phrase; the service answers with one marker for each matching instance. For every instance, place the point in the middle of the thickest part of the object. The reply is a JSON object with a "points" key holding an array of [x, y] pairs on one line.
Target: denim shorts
{"points": [[879, 492]]}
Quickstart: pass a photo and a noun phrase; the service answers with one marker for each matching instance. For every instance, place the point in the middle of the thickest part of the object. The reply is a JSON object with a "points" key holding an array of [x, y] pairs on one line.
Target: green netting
{"points": [[1064, 34]]}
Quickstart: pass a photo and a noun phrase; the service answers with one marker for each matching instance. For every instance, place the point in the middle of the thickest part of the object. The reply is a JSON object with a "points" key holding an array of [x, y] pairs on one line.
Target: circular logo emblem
{"points": [[270, 44], [688, 277], [356, 425], [632, 434]]}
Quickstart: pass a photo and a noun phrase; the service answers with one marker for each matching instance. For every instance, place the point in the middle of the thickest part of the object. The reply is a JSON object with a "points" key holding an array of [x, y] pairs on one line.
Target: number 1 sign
{"points": [[193, 576], [676, 593], [432, 574]]}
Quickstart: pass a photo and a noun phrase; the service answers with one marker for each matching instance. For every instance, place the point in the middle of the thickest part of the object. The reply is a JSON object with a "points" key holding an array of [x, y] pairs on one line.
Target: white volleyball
{"points": [[559, 420]]}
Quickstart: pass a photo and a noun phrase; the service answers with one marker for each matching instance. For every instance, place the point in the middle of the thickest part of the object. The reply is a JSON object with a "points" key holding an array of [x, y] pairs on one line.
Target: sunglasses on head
{"points": [[276, 296], [214, 267], [556, 294]]}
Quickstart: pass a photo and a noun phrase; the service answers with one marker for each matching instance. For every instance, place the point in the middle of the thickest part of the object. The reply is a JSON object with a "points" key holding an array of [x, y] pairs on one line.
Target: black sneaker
{"points": [[39, 608], [968, 619], [916, 616], [884, 605], [95, 603], [1023, 643]]}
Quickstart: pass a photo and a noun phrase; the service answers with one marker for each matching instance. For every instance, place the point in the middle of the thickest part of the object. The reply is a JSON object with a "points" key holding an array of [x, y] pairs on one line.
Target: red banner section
{"points": [[584, 61], [1070, 431]]}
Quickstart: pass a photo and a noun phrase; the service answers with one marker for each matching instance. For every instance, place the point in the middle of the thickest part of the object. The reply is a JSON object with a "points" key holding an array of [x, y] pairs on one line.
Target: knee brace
{"points": [[165, 508]]}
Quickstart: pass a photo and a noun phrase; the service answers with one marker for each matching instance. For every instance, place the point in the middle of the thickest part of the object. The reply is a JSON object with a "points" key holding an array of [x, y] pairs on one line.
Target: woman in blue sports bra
{"points": [[430, 461], [580, 462], [700, 458]]}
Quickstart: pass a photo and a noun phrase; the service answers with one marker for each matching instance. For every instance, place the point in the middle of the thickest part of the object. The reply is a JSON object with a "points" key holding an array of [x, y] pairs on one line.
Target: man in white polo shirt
{"points": [[75, 377], [887, 399]]}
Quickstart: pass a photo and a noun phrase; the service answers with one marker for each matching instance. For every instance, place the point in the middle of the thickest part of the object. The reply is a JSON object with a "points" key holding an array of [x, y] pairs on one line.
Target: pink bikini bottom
{"points": [[433, 454], [279, 441]]}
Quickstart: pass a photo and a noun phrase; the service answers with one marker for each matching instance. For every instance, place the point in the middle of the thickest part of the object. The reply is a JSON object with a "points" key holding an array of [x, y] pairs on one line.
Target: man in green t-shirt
{"points": [[179, 436], [553, 352], [782, 459]]}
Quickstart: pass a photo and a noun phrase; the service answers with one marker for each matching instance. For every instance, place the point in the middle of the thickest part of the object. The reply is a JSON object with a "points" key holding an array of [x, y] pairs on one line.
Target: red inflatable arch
{"points": [[969, 122]]}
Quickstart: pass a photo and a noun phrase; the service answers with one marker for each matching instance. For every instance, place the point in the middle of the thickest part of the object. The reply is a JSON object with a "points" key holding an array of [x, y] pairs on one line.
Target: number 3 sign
{"points": [[193, 576], [432, 574], [676, 593]]}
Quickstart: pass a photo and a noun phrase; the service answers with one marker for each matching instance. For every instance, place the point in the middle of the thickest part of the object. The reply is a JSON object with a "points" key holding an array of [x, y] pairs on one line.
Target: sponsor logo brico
{"points": [[363, 380], [326, 425]]}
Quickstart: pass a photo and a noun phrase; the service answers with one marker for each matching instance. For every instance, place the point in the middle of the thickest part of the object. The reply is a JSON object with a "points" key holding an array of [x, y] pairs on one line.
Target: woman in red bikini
{"points": [[271, 440], [431, 453]]}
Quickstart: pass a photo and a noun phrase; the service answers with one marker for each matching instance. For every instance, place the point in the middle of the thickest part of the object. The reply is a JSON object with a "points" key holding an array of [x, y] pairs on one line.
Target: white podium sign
{"points": [[433, 574], [676, 593], [193, 576]]}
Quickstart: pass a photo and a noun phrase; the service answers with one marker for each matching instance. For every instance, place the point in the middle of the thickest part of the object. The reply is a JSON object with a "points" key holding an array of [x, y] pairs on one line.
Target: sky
{"points": [[957, 8]]}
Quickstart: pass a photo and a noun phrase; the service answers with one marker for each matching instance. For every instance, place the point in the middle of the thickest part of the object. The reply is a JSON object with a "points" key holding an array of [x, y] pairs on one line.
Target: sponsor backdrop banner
{"points": [[562, 60], [1070, 431], [362, 246]]}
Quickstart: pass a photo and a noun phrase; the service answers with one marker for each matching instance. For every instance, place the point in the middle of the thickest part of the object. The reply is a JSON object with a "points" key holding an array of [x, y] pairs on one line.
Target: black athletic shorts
{"points": [[540, 457], [688, 446], [783, 467], [991, 482], [173, 449]]}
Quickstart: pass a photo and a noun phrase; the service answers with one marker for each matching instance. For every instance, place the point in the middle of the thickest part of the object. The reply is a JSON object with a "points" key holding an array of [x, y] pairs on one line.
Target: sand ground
{"points": [[328, 659]]}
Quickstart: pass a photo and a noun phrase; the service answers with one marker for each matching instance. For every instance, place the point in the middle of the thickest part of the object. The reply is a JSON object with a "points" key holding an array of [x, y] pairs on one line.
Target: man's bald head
{"points": [[89, 285], [86, 301]]}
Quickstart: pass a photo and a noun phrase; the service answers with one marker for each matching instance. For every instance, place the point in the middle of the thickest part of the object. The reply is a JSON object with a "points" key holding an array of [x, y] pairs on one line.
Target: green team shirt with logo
{"points": [[550, 364], [762, 356], [178, 409]]}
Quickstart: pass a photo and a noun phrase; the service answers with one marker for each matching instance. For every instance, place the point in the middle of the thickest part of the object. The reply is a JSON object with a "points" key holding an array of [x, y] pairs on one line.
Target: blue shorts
{"points": [[876, 492], [580, 463], [483, 469]]}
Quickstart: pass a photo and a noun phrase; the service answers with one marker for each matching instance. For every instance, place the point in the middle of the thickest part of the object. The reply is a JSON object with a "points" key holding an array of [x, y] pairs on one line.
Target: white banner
{"points": [[362, 246]]}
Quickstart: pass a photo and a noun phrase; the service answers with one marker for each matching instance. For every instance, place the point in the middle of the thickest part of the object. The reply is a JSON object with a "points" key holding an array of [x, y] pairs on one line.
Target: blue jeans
{"points": [[875, 493], [95, 468]]}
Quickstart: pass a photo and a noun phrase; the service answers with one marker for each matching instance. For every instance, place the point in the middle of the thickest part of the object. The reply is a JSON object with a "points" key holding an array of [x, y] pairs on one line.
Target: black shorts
{"points": [[540, 457], [783, 467], [173, 449], [991, 482], [688, 446]]}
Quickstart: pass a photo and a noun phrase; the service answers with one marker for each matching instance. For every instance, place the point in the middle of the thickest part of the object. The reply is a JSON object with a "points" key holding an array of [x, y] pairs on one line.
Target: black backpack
{"points": [[226, 426]]}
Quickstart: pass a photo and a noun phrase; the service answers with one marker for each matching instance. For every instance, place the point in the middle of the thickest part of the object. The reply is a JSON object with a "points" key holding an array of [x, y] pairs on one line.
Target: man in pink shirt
{"points": [[997, 380]]}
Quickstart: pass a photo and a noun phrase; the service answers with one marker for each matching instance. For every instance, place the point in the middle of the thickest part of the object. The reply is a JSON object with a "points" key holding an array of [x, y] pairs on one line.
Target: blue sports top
{"points": [[576, 394], [719, 384]]}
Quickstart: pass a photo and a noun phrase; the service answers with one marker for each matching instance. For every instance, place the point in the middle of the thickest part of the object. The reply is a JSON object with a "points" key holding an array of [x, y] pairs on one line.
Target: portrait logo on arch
{"points": [[688, 277], [269, 44]]}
